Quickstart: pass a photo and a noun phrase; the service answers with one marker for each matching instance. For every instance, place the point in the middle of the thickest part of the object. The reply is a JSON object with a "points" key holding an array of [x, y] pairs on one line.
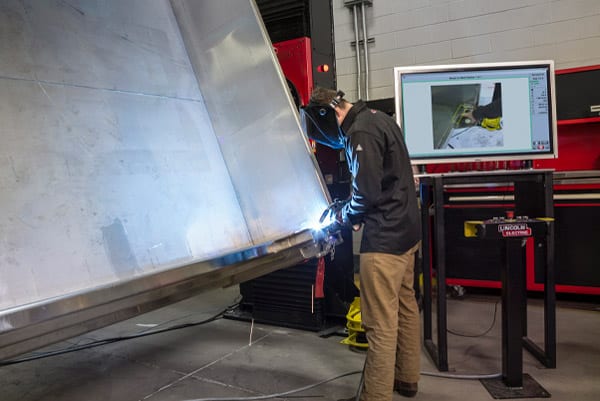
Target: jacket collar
{"points": [[351, 116]]}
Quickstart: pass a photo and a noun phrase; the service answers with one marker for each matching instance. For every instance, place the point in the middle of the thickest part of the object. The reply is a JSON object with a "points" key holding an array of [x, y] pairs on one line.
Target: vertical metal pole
{"points": [[549, 276], [425, 192], [512, 307], [428, 191], [440, 257], [366, 50], [357, 47]]}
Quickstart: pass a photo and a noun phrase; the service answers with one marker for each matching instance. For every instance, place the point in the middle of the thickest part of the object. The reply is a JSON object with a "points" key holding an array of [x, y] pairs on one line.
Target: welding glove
{"points": [[343, 218], [337, 215]]}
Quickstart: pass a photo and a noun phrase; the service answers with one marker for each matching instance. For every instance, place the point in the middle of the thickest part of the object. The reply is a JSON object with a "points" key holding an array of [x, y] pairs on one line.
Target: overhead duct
{"points": [[150, 150]]}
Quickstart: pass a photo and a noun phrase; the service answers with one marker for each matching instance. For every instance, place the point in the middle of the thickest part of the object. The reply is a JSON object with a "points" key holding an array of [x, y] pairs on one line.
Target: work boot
{"points": [[406, 389]]}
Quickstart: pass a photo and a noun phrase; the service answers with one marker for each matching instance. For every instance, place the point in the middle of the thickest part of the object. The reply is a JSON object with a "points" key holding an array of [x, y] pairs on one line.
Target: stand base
{"points": [[500, 391]]}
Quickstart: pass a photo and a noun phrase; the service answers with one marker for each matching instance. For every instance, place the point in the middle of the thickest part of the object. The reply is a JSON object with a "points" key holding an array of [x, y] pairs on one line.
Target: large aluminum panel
{"points": [[139, 137], [258, 135]]}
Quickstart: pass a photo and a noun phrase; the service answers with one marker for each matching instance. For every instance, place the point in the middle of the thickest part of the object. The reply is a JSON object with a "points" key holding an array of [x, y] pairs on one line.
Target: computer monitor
{"points": [[473, 112]]}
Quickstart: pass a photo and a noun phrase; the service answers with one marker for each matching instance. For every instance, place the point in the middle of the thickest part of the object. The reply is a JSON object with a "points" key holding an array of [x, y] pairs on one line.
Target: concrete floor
{"points": [[217, 359]]}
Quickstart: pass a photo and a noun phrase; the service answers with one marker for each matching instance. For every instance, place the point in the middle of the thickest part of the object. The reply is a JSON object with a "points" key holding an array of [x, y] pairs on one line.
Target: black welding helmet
{"points": [[320, 123]]}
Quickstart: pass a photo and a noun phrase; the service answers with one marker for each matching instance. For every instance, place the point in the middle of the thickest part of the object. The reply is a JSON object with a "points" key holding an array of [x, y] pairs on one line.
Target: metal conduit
{"points": [[361, 43], [358, 71], [366, 50]]}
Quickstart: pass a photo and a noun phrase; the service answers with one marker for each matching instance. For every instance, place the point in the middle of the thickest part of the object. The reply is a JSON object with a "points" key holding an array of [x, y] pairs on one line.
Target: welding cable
{"points": [[482, 334], [97, 343], [358, 392], [278, 395], [361, 383], [462, 377], [357, 396]]}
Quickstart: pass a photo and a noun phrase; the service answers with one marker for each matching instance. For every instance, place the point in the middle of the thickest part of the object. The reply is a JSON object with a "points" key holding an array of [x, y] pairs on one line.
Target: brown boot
{"points": [[406, 389]]}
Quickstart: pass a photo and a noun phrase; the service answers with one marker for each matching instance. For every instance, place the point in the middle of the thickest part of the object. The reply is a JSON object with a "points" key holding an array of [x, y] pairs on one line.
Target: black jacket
{"points": [[383, 189]]}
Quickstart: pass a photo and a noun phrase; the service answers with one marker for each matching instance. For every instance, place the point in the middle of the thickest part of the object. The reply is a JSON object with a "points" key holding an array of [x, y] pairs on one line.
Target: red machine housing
{"points": [[295, 58]]}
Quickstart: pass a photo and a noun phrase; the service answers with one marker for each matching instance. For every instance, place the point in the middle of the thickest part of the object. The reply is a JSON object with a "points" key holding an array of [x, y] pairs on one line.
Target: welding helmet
{"points": [[320, 123]]}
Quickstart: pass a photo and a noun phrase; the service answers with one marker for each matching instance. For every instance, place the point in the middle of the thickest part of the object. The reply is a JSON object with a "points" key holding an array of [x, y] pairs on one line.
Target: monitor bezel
{"points": [[549, 64]]}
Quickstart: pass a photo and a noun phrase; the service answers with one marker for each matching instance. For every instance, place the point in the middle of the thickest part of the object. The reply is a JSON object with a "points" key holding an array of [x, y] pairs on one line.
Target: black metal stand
{"points": [[513, 383], [513, 302], [529, 389], [533, 197]]}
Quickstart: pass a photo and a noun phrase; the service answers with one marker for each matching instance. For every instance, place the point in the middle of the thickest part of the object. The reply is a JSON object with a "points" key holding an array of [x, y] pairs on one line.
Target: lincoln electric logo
{"points": [[514, 230]]}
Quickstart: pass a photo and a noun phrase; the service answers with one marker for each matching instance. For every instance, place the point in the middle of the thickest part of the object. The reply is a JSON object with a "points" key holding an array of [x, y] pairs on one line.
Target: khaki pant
{"points": [[390, 316]]}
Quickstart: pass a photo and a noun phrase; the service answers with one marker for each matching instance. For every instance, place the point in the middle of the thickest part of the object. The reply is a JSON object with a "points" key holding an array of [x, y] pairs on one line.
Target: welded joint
{"points": [[325, 243]]}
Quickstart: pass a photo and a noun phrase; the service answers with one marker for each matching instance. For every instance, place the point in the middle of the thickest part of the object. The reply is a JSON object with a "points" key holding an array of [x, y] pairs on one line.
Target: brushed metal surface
{"points": [[34, 325], [139, 137], [253, 116]]}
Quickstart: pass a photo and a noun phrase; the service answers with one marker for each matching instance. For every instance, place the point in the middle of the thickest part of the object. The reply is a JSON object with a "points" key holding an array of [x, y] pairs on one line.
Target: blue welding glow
{"points": [[322, 220], [313, 215], [321, 225]]}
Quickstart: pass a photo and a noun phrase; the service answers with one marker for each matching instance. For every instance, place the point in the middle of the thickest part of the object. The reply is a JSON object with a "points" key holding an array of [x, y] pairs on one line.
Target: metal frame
{"points": [[533, 197]]}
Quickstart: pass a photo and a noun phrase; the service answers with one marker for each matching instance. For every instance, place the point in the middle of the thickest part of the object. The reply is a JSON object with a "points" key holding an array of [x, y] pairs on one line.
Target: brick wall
{"points": [[429, 32]]}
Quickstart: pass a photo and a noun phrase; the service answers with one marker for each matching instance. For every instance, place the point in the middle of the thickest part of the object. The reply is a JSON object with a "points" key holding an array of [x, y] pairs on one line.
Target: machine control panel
{"points": [[507, 227]]}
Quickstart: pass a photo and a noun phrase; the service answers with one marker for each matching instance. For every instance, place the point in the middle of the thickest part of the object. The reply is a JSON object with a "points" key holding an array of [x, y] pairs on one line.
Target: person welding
{"points": [[384, 204]]}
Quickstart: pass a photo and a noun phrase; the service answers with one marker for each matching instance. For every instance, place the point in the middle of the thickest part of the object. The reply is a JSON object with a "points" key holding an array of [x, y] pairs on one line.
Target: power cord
{"points": [[482, 334], [111, 340], [361, 383], [462, 377], [278, 395], [358, 391]]}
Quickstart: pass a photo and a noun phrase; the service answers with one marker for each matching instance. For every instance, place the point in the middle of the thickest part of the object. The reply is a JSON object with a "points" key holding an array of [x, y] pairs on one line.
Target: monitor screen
{"points": [[496, 111]]}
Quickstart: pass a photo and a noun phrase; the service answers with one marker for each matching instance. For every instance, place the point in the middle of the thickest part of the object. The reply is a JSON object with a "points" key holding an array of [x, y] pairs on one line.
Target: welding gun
{"points": [[333, 218], [332, 214]]}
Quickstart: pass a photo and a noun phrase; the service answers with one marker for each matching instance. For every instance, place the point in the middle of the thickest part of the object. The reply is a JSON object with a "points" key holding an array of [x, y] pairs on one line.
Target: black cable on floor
{"points": [[482, 334], [111, 340]]}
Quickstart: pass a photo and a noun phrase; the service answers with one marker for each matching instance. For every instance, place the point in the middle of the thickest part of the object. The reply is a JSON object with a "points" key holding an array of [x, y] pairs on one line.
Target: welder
{"points": [[384, 204]]}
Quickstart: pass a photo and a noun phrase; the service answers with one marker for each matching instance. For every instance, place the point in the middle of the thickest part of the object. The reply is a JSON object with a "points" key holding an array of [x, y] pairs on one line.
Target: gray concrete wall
{"points": [[429, 32]]}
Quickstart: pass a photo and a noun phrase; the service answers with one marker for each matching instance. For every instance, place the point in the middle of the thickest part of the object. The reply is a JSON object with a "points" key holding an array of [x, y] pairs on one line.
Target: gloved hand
{"points": [[343, 221], [336, 216], [333, 215]]}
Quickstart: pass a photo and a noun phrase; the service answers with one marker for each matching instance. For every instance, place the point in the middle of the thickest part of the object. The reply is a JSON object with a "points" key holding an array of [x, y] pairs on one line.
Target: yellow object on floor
{"points": [[356, 333]]}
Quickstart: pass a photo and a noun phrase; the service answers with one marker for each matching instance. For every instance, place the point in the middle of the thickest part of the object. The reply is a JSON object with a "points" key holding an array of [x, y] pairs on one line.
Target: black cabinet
{"points": [[578, 93]]}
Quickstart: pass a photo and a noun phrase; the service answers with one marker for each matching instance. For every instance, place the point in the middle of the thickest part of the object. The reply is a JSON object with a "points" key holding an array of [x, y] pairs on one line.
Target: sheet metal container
{"points": [[149, 150]]}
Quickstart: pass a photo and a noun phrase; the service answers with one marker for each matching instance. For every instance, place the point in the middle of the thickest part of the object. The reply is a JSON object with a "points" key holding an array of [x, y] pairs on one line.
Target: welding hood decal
{"points": [[320, 124]]}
